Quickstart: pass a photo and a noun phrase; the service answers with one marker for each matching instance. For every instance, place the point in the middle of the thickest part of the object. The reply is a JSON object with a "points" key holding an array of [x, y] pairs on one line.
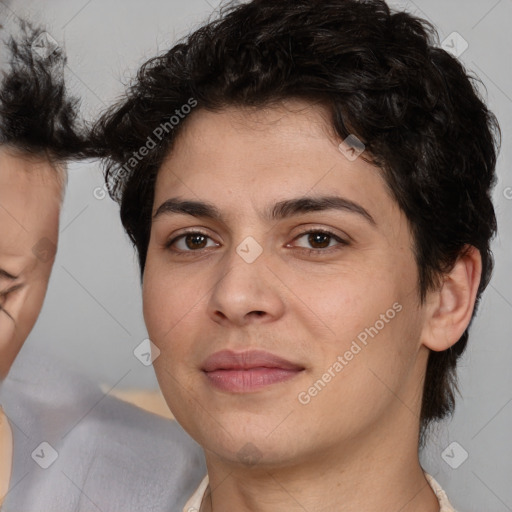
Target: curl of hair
{"points": [[37, 116]]}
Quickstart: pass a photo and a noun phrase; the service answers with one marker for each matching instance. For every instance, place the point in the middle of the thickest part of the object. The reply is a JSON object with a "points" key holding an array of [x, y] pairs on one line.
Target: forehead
{"points": [[30, 197], [266, 155], [284, 126]]}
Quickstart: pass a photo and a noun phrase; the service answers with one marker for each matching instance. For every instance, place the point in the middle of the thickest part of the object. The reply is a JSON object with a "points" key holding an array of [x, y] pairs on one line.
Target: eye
{"points": [[190, 242], [4, 295], [318, 239]]}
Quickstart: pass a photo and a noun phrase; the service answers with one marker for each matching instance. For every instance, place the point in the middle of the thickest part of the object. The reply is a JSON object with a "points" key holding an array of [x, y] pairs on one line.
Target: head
{"points": [[37, 136], [249, 136]]}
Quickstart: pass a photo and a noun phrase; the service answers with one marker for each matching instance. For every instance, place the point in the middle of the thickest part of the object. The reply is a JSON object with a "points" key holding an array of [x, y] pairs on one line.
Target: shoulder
{"points": [[106, 452], [136, 460]]}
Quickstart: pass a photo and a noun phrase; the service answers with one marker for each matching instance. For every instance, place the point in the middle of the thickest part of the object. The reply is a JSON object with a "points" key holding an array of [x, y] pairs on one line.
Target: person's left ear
{"points": [[450, 307]]}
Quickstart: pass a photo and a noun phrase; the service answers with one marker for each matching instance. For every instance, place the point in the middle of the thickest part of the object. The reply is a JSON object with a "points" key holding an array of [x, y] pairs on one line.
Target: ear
{"points": [[449, 308]]}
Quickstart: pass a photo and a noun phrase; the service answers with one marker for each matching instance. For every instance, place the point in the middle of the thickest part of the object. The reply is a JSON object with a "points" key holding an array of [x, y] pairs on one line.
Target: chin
{"points": [[259, 447]]}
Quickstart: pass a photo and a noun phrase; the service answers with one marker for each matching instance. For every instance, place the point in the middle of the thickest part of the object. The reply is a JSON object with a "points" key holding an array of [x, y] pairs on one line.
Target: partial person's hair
{"points": [[382, 77], [37, 115]]}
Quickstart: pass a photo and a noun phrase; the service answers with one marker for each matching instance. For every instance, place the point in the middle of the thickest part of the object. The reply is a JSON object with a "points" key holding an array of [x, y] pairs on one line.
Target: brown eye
{"points": [[196, 241], [193, 241], [319, 240]]}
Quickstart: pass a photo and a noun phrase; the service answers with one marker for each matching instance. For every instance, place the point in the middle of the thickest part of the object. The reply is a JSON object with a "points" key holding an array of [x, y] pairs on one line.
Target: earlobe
{"points": [[450, 307]]}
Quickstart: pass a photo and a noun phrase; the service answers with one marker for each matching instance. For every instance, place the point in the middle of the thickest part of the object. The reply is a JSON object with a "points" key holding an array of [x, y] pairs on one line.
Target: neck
{"points": [[379, 471], [5, 455]]}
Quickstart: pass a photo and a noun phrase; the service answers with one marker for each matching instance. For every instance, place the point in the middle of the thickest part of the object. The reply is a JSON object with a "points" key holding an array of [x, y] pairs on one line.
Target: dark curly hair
{"points": [[381, 76], [37, 116]]}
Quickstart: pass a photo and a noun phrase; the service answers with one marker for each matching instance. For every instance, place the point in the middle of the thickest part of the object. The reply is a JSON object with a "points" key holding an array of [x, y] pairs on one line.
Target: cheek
{"points": [[339, 306], [166, 307], [374, 328], [7, 349], [168, 299], [157, 292], [24, 309], [27, 309]]}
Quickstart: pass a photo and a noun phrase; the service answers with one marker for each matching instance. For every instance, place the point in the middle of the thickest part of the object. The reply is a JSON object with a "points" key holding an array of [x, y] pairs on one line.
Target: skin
{"points": [[354, 446], [30, 199]]}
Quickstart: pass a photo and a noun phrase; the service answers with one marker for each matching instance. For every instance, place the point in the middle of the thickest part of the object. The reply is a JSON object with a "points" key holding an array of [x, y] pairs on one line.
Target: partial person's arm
{"points": [[5, 455]]}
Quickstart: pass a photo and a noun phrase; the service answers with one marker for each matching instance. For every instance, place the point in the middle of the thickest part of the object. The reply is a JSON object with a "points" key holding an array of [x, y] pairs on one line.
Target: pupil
{"points": [[319, 240], [195, 241]]}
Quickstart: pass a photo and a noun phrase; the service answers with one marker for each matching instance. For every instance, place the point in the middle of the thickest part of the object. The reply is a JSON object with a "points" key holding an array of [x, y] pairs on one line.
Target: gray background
{"points": [[92, 315]]}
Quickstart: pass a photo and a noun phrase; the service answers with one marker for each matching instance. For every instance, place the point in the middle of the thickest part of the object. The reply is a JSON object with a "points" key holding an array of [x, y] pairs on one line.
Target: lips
{"points": [[248, 371]]}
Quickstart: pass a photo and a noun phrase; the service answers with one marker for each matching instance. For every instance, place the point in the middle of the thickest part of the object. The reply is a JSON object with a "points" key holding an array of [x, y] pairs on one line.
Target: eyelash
{"points": [[3, 297], [8, 291], [4, 294], [311, 252], [319, 252]]}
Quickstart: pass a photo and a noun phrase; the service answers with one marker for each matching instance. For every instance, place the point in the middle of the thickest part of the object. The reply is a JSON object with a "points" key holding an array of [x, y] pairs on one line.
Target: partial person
{"points": [[64, 445]]}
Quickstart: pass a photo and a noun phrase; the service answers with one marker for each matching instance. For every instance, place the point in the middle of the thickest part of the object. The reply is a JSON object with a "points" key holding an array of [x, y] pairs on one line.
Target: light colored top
{"points": [[78, 449], [440, 494], [194, 503]]}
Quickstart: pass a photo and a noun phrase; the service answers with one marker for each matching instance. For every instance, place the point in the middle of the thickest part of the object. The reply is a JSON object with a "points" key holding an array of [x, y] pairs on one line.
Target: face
{"points": [[30, 198], [281, 289]]}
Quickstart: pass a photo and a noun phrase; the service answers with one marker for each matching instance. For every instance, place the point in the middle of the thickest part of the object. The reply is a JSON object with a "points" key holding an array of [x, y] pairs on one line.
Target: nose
{"points": [[245, 293]]}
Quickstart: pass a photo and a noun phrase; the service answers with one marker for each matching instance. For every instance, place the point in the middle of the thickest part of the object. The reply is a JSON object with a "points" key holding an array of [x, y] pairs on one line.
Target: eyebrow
{"points": [[281, 210], [6, 275]]}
